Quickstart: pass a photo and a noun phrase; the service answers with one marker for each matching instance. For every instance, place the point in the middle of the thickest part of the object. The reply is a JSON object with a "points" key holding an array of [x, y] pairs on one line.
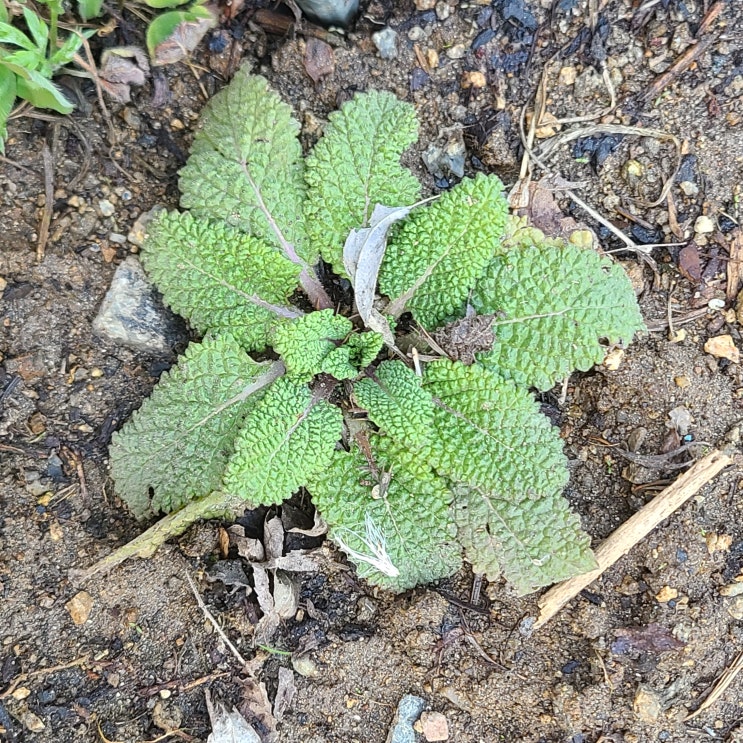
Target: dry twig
{"points": [[621, 541], [46, 217], [720, 686]]}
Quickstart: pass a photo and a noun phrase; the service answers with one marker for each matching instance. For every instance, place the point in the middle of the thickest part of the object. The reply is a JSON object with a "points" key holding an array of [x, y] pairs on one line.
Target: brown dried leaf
{"points": [[462, 339], [285, 693], [122, 67], [256, 708], [269, 622], [182, 41], [273, 538], [689, 263], [544, 212], [650, 639], [735, 266], [319, 59], [251, 549]]}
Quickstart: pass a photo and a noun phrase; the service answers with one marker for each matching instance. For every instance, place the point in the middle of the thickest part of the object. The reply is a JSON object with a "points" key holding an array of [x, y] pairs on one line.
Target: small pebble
{"points": [[443, 11], [735, 609], [689, 188], [32, 723], [704, 225], [647, 705], [474, 79], [722, 347], [458, 51], [106, 208], [666, 594], [408, 711], [79, 607], [435, 726], [386, 43], [416, 34], [425, 4], [682, 381]]}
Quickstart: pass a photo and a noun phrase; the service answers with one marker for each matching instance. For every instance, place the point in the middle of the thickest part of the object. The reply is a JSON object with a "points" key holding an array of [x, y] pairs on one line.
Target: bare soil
{"points": [[138, 668]]}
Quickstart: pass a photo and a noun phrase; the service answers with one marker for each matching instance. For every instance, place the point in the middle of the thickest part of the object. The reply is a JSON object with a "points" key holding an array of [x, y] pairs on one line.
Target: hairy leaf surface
{"points": [[219, 278], [246, 166], [287, 438], [505, 460], [408, 531], [175, 447], [396, 402], [355, 166], [533, 542], [437, 254], [553, 306], [306, 343]]}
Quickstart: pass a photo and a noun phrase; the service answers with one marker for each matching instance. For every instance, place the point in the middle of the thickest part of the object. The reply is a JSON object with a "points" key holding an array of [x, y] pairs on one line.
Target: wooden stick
{"points": [[720, 687], [632, 531]]}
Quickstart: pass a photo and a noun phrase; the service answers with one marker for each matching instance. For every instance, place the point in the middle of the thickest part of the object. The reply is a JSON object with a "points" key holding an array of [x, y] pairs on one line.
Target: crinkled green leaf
{"points": [[532, 541], [437, 254], [7, 98], [505, 460], [364, 348], [175, 447], [285, 440], [246, 165], [554, 304], [305, 343], [355, 166], [412, 517], [219, 278], [396, 402]]}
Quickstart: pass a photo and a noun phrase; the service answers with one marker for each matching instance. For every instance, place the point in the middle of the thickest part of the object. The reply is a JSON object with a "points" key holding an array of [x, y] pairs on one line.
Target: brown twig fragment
{"points": [[46, 217], [689, 56], [720, 686], [636, 528]]}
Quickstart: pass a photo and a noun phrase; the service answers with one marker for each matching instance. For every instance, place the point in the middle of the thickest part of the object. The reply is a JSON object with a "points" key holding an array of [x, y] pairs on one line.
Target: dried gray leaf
{"points": [[364, 251], [296, 561], [269, 622], [228, 727], [256, 708], [319, 527], [285, 594], [273, 538], [285, 693], [462, 339]]}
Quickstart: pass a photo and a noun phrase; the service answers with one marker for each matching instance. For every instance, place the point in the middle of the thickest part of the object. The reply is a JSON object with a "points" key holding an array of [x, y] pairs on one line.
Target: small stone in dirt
{"points": [[106, 208], [704, 225], [32, 723], [386, 43], [435, 726], [79, 607], [408, 711], [443, 11], [474, 79], [666, 594], [682, 381], [732, 589], [647, 705], [718, 542], [132, 315], [613, 359], [458, 51], [735, 609], [722, 347], [138, 231], [425, 4], [167, 716], [3, 284], [305, 666]]}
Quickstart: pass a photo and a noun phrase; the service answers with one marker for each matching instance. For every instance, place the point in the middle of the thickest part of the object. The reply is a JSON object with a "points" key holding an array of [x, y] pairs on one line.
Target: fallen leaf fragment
{"points": [[79, 607], [122, 67], [229, 727], [319, 59], [32, 723], [285, 693], [613, 359], [722, 347], [647, 705], [652, 638]]}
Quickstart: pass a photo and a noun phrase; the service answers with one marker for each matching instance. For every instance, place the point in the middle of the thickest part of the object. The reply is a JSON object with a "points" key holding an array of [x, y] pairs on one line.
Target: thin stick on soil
{"points": [[46, 218], [631, 532], [720, 686], [226, 640]]}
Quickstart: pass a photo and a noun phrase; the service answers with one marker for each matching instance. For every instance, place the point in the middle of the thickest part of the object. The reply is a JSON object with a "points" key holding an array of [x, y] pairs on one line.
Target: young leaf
{"points": [[175, 447], [165, 3], [305, 344], [219, 278], [285, 440], [246, 166], [89, 8], [69, 49], [437, 254], [506, 461], [33, 87], [402, 538], [37, 28], [553, 305], [355, 166], [7, 97], [172, 36], [11, 35], [533, 542], [489, 433], [396, 403]]}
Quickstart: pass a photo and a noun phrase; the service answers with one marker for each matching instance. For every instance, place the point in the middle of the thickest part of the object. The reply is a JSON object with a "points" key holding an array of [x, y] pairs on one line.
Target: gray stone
{"points": [[408, 711], [386, 42], [132, 314]]}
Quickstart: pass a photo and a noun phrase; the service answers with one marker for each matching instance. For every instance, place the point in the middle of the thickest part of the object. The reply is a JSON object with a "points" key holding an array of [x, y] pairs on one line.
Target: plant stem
{"points": [[215, 505], [53, 15], [314, 289]]}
